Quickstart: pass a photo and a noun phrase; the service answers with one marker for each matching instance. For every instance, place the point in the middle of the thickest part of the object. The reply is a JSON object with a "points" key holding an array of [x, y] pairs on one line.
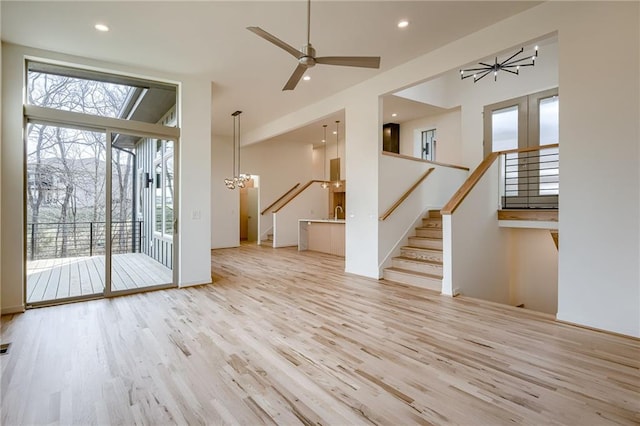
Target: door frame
{"points": [[108, 292]]}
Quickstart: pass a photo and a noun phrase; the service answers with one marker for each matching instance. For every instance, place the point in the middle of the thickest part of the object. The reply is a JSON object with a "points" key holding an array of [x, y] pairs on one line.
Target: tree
{"points": [[66, 167]]}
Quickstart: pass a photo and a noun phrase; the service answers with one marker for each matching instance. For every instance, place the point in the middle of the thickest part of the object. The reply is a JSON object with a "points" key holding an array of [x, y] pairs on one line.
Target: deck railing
{"points": [[75, 239], [530, 179]]}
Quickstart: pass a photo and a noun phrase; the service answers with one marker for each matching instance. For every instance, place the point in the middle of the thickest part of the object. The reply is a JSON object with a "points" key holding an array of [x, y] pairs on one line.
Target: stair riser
{"points": [[435, 214], [429, 256], [427, 268], [429, 233], [421, 242], [413, 280], [418, 255], [431, 223]]}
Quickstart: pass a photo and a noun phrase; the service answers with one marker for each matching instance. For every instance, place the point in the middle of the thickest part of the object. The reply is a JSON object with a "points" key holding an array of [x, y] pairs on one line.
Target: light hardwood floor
{"points": [[285, 337]]}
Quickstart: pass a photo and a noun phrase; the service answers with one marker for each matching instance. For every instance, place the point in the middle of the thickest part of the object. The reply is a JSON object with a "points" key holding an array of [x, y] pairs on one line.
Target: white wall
{"points": [[534, 270], [280, 165], [194, 259], [312, 203], [225, 203], [598, 57], [448, 136], [599, 281], [478, 265]]}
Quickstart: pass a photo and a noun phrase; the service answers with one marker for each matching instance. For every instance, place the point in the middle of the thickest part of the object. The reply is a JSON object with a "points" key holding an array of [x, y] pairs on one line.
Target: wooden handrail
{"points": [[408, 157], [406, 194], [280, 199], [298, 192], [474, 178]]}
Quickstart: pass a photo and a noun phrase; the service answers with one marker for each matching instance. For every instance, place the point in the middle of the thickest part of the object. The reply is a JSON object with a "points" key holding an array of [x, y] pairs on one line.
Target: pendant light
{"points": [[324, 184], [238, 180], [337, 182]]}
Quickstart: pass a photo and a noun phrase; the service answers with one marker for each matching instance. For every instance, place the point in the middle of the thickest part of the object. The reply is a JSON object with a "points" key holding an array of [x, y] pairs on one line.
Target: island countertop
{"points": [[323, 235]]}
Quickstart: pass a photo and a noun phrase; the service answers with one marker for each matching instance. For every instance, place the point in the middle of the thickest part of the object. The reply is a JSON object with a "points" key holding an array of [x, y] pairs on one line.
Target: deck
{"points": [[59, 278]]}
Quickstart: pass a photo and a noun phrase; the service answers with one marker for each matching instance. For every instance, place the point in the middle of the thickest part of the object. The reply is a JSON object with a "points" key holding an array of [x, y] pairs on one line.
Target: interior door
{"points": [[142, 202], [531, 178]]}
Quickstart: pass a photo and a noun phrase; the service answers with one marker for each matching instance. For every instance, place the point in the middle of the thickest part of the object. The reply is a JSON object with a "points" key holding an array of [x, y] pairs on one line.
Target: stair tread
{"points": [[410, 272], [421, 249], [426, 238], [411, 259]]}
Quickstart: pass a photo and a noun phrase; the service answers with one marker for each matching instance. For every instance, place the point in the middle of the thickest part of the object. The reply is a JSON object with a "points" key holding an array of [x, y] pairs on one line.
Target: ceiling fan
{"points": [[307, 55]]}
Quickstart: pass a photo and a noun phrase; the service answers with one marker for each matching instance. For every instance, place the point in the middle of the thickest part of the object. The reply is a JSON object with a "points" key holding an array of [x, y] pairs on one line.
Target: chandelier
{"points": [[511, 65], [238, 180]]}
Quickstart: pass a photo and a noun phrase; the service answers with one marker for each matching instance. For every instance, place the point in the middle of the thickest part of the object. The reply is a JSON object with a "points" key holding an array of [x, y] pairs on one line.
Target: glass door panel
{"points": [[66, 213], [142, 213], [549, 134], [504, 136]]}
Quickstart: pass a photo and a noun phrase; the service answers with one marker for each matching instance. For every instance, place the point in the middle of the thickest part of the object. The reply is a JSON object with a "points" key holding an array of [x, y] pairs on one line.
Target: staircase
{"points": [[268, 241], [420, 263]]}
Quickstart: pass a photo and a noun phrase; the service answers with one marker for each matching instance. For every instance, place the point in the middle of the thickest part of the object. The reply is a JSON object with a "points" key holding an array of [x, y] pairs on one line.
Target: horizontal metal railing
{"points": [[530, 179], [75, 239]]}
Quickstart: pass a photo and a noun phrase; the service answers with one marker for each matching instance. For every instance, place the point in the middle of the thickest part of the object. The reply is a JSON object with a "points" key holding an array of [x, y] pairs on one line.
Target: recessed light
{"points": [[306, 78], [394, 115], [335, 133], [101, 27], [403, 23]]}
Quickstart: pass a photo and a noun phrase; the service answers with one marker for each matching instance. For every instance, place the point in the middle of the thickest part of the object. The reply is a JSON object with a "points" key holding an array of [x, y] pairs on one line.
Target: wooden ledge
{"points": [[420, 160], [546, 215]]}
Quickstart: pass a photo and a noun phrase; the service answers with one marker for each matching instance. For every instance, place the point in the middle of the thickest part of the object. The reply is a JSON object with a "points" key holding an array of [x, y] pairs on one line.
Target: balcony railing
{"points": [[530, 179], [75, 239]]}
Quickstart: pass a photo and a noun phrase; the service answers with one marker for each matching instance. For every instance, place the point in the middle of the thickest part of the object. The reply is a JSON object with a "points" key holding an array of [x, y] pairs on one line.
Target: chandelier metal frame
{"points": [[511, 65]]}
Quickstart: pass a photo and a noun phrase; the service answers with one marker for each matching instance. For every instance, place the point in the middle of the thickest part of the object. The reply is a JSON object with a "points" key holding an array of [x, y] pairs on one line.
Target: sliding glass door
{"points": [[66, 178], [143, 212]]}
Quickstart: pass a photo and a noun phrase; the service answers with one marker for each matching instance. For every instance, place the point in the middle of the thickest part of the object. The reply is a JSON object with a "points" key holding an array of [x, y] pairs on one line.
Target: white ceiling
{"points": [[209, 38]]}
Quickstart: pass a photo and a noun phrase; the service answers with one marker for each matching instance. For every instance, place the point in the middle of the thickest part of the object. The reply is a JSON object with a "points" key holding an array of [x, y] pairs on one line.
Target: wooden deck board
{"points": [[286, 337], [51, 279]]}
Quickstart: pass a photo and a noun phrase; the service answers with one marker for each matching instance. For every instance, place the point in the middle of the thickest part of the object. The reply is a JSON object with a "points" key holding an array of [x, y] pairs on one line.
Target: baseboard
{"points": [[8, 310], [193, 284]]}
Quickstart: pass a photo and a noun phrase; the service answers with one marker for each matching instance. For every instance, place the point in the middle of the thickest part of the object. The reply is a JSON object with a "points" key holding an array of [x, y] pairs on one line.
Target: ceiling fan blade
{"points": [[351, 61], [295, 77], [275, 40]]}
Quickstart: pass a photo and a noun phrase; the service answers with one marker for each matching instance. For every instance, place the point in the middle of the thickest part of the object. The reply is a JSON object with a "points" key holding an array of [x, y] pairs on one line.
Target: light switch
{"points": [[195, 215]]}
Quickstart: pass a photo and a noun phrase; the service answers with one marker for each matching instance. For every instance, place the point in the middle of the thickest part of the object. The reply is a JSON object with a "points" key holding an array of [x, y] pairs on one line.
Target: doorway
{"points": [[101, 180], [249, 210], [531, 179]]}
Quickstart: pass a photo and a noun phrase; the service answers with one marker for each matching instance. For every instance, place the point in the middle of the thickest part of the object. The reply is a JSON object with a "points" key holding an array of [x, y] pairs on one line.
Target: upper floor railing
{"points": [[530, 178], [75, 239]]}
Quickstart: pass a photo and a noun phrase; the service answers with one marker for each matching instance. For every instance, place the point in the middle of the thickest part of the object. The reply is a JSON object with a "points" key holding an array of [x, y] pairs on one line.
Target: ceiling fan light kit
{"points": [[307, 55]]}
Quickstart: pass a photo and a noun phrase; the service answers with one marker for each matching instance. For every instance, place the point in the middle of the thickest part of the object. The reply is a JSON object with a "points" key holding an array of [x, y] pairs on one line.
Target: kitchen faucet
{"points": [[335, 212]]}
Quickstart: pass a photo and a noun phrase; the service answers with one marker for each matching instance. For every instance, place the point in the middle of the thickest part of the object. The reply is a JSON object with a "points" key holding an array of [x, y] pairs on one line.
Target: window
{"points": [[164, 188], [96, 93]]}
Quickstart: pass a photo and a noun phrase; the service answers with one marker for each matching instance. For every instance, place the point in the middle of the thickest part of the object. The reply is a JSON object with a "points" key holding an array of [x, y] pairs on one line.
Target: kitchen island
{"points": [[322, 235]]}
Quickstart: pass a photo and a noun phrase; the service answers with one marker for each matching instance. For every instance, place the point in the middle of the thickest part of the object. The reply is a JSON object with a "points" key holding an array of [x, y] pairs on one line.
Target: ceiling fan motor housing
{"points": [[308, 60]]}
